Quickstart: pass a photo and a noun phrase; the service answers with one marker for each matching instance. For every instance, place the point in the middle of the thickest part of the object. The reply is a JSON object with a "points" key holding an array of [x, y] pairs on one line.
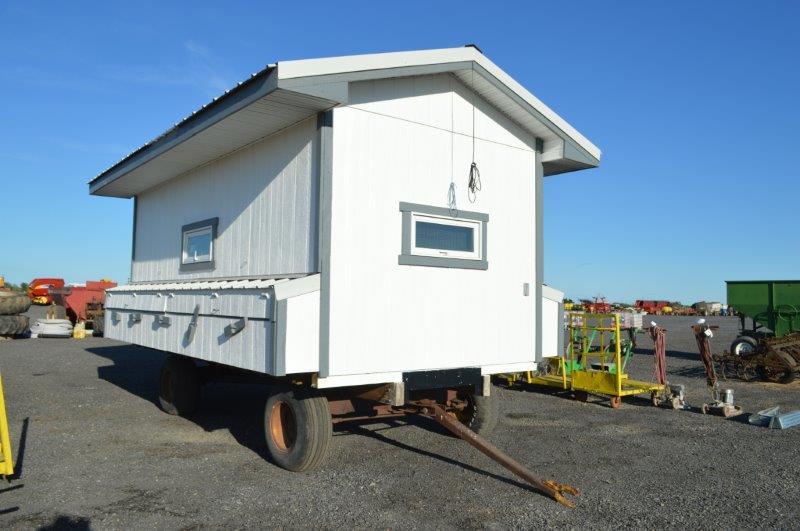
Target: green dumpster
{"points": [[771, 304]]}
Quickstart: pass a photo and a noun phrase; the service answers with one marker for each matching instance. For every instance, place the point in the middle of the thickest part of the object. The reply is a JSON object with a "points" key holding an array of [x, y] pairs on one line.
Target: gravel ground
{"points": [[95, 451]]}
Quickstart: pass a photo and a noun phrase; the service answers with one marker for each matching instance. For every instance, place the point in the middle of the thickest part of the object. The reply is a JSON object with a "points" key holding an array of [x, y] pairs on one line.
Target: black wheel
{"points": [[13, 303], [298, 429], [743, 346], [13, 325], [179, 385], [481, 413]]}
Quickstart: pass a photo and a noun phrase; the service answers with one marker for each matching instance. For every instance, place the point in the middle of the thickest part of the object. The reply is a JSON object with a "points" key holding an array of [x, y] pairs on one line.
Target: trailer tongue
{"points": [[549, 488]]}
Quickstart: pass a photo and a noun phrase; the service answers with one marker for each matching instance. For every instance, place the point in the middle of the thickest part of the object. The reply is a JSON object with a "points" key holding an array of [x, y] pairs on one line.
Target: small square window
{"points": [[197, 245], [438, 237]]}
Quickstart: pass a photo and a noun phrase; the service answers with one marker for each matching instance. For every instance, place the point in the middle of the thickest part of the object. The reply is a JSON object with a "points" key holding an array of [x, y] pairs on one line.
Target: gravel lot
{"points": [[94, 450]]}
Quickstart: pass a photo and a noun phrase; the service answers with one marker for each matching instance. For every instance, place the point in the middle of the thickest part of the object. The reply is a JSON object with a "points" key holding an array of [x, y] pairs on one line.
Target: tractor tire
{"points": [[13, 303], [179, 385], [743, 345], [13, 325], [297, 428]]}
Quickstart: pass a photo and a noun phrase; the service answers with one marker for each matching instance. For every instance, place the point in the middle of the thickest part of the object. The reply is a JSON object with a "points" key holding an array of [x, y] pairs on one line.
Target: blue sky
{"points": [[694, 105]]}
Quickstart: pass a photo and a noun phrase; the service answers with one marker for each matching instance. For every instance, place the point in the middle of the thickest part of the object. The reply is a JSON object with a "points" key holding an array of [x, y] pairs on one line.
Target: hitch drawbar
{"points": [[549, 488]]}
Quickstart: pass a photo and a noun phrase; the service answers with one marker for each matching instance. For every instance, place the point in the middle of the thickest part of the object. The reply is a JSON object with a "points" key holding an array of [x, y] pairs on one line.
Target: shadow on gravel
{"points": [[422, 423], [237, 408], [23, 443], [692, 356]]}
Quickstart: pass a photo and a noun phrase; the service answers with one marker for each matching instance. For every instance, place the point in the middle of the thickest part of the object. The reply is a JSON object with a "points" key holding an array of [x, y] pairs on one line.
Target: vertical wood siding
{"points": [[404, 140], [265, 197]]}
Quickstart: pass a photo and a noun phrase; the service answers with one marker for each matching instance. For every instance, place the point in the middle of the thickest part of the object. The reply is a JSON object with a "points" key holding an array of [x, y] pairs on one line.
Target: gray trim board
{"points": [[133, 234], [538, 192], [279, 350], [406, 258], [435, 261], [248, 92], [325, 189], [201, 266], [440, 211]]}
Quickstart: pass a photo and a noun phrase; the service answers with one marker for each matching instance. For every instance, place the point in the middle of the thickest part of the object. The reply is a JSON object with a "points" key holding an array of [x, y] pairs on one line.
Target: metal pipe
{"points": [[549, 488]]}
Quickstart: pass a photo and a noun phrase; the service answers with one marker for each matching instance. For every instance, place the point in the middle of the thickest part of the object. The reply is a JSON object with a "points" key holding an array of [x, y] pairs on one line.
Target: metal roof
{"points": [[191, 285], [288, 92]]}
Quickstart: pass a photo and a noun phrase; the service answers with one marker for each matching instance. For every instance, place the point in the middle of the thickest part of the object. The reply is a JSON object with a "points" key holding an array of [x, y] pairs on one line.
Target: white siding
{"points": [[265, 197], [249, 349], [396, 143], [550, 328]]}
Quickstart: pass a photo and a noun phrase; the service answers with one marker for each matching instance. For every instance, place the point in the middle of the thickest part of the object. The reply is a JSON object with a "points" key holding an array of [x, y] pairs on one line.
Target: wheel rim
{"points": [[743, 349], [282, 426]]}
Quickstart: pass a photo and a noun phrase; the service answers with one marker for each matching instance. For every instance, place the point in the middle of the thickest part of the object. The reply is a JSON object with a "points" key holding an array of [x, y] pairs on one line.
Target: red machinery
{"points": [[599, 305], [39, 289], [653, 307], [83, 303]]}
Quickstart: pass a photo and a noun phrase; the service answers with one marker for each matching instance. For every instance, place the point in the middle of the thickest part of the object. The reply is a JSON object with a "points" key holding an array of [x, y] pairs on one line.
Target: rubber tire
{"points": [[743, 340], [314, 429], [486, 413], [179, 386], [13, 325], [13, 303]]}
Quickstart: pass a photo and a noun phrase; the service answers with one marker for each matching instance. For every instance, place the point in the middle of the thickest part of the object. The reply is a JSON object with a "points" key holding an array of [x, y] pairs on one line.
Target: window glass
{"points": [[197, 246], [446, 237]]}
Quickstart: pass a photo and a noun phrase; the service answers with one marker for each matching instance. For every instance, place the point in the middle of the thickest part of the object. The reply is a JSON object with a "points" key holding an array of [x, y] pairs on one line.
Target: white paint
{"points": [[399, 140], [359, 379], [382, 65], [248, 349], [253, 348], [385, 317], [551, 308], [509, 367], [302, 334], [265, 197]]}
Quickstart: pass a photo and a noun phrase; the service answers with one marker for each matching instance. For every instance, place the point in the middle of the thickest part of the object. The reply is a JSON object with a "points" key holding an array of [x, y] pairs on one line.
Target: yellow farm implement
{"points": [[594, 362], [6, 461]]}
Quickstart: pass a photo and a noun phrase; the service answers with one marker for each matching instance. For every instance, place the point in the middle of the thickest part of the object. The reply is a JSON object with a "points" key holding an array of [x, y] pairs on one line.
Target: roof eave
{"points": [[255, 88]]}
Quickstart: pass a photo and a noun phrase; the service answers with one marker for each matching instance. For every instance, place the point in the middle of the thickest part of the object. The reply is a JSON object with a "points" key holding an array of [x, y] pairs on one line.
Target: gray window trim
{"points": [[200, 266], [406, 258]]}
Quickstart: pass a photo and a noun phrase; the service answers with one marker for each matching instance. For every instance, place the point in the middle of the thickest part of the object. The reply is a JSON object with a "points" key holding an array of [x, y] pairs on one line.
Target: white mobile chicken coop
{"points": [[364, 228]]}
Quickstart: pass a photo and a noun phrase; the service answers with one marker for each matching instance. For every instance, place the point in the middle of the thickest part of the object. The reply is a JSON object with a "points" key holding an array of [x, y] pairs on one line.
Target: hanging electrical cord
{"points": [[474, 181]]}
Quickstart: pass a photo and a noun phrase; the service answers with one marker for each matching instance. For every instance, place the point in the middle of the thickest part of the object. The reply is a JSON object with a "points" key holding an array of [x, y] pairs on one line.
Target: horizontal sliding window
{"points": [[439, 237], [446, 237]]}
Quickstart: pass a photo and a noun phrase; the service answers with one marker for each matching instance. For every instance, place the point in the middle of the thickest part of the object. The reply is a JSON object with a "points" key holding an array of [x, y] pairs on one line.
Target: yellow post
{"points": [[7, 463]]}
